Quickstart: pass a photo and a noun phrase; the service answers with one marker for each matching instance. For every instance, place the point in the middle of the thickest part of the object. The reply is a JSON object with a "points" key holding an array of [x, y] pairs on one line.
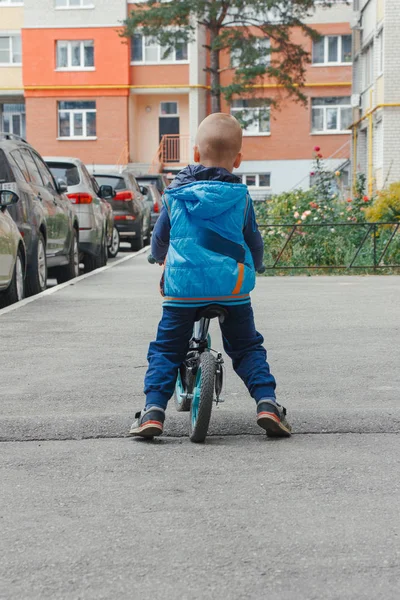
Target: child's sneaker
{"points": [[271, 416], [148, 422]]}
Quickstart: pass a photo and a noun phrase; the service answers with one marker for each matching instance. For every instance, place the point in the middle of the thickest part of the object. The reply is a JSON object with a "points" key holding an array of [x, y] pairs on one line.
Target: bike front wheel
{"points": [[203, 396]]}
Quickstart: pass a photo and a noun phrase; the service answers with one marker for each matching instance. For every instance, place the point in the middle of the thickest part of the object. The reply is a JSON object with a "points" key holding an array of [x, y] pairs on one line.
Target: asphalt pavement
{"points": [[88, 513]]}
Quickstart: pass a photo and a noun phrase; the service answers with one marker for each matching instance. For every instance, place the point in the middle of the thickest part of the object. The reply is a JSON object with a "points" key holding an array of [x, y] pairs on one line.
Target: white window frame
{"points": [[72, 112], [11, 35], [368, 70], [325, 130], [160, 60], [256, 109], [176, 114], [266, 42], [257, 176], [20, 114], [70, 67], [326, 62], [8, 3], [69, 7], [380, 47]]}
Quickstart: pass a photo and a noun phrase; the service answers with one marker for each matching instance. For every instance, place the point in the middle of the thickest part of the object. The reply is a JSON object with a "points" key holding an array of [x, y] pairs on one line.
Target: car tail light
{"points": [[156, 208], [124, 196], [80, 198], [124, 218]]}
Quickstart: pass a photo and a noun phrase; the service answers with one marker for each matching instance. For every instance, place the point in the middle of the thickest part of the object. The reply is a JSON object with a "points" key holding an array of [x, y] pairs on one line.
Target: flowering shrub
{"points": [[332, 244], [386, 206]]}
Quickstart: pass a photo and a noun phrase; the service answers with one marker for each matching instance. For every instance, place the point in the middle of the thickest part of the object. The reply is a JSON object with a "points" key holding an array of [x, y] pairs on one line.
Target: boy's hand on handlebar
{"points": [[152, 260]]}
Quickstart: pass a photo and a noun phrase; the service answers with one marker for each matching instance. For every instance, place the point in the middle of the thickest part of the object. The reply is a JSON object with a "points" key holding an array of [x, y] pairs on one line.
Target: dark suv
{"points": [[132, 213], [44, 215]]}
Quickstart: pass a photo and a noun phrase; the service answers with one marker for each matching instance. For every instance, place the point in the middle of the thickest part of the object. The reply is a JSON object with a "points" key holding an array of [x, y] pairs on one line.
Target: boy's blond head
{"points": [[219, 140]]}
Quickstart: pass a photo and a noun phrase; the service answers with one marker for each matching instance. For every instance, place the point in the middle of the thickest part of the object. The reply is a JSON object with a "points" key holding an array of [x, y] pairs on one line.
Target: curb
{"points": [[74, 281]]}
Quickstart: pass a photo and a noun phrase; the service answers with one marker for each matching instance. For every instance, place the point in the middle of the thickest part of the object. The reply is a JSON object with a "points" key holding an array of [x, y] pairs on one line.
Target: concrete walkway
{"points": [[315, 516]]}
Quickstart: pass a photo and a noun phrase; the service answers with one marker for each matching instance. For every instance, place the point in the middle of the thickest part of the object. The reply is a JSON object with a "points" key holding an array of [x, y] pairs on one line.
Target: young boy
{"points": [[208, 234]]}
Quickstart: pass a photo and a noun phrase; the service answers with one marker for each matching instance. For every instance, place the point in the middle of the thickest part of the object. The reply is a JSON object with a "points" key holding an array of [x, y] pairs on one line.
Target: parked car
{"points": [[153, 197], [12, 253], [44, 215], [132, 214], [96, 221], [158, 179]]}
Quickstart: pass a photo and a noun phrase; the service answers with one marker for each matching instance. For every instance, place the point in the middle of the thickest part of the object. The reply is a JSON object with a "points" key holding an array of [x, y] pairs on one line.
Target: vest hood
{"points": [[208, 199]]}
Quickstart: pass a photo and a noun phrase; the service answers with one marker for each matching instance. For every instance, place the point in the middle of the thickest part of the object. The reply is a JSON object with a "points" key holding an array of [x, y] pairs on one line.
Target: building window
{"points": [[254, 116], [379, 43], [10, 50], [257, 180], [74, 3], [77, 120], [331, 115], [368, 66], [168, 109], [13, 119], [11, 2], [332, 50], [145, 49], [262, 45], [75, 55]]}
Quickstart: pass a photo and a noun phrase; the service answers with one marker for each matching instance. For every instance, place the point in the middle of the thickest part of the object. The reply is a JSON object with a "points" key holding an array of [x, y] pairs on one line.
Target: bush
{"points": [[386, 206], [333, 243]]}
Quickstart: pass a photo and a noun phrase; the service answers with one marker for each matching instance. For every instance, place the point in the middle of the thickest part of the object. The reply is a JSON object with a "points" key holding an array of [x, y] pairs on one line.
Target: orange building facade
{"points": [[91, 94]]}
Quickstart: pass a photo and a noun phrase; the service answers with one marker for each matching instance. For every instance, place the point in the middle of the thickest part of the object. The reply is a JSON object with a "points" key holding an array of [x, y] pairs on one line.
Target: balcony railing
{"points": [[173, 151]]}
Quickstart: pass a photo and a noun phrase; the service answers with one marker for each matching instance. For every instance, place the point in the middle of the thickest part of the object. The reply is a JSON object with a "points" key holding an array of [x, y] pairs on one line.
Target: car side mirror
{"points": [[7, 197], [107, 192], [144, 190], [62, 187]]}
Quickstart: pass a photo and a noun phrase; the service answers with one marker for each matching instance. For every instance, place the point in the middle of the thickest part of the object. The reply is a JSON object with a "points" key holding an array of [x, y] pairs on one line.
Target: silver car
{"points": [[95, 220], [12, 254]]}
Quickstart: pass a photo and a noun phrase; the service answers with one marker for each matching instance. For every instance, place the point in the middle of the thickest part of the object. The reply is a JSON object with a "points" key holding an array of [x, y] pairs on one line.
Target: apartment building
{"points": [[89, 93], [376, 91], [12, 104]]}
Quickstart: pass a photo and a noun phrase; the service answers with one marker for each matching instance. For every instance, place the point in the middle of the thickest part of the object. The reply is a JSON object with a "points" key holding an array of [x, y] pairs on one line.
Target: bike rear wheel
{"points": [[182, 402], [203, 396]]}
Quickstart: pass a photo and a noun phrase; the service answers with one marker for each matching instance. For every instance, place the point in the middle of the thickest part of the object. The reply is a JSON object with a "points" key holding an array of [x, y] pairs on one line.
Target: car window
{"points": [[133, 182], [19, 161], [6, 174], [66, 171], [44, 172], [33, 171], [90, 181], [116, 182]]}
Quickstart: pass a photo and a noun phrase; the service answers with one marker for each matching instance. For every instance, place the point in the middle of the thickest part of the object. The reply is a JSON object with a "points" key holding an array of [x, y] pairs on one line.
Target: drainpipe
{"points": [[353, 190]]}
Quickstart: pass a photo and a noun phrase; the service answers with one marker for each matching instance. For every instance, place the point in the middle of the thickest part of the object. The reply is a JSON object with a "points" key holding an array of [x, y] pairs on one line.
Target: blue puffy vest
{"points": [[208, 259]]}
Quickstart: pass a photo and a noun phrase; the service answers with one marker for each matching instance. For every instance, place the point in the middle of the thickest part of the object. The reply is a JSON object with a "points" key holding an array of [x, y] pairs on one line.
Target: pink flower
{"points": [[296, 215], [312, 173], [317, 149]]}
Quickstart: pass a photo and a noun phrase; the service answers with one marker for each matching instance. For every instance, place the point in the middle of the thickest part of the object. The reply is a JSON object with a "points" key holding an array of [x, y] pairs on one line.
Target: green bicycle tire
{"points": [[203, 397]]}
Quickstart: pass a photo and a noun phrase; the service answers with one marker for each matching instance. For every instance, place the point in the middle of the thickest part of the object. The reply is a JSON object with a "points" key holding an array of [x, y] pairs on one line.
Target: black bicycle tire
{"points": [[198, 433]]}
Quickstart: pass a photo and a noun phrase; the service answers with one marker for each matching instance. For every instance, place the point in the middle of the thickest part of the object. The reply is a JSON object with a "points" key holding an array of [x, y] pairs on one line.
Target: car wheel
{"points": [[138, 243], [115, 241], [91, 263], [148, 235], [16, 289], [71, 270], [36, 278]]}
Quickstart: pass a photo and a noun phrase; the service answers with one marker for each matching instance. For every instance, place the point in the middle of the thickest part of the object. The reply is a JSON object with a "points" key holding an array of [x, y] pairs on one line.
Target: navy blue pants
{"points": [[242, 343]]}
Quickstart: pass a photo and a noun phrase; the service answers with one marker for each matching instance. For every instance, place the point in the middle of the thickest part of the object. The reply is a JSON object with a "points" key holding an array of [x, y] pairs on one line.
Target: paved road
{"points": [[315, 516]]}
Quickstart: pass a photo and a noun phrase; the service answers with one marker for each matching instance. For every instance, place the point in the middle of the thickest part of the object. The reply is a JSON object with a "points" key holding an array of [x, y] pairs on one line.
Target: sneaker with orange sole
{"points": [[271, 416], [148, 422]]}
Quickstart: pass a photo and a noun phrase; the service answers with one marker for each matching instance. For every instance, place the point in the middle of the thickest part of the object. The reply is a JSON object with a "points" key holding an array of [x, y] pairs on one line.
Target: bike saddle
{"points": [[211, 312]]}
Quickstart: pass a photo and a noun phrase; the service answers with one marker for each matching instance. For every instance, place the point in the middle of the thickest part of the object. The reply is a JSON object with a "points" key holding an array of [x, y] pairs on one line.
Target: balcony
{"points": [[172, 152]]}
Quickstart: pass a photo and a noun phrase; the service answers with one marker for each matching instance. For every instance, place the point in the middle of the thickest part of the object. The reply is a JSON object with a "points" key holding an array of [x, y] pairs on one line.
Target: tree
{"points": [[258, 34]]}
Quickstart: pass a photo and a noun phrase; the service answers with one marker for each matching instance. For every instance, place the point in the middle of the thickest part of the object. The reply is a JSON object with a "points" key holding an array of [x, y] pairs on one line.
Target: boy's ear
{"points": [[196, 154], [238, 161]]}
